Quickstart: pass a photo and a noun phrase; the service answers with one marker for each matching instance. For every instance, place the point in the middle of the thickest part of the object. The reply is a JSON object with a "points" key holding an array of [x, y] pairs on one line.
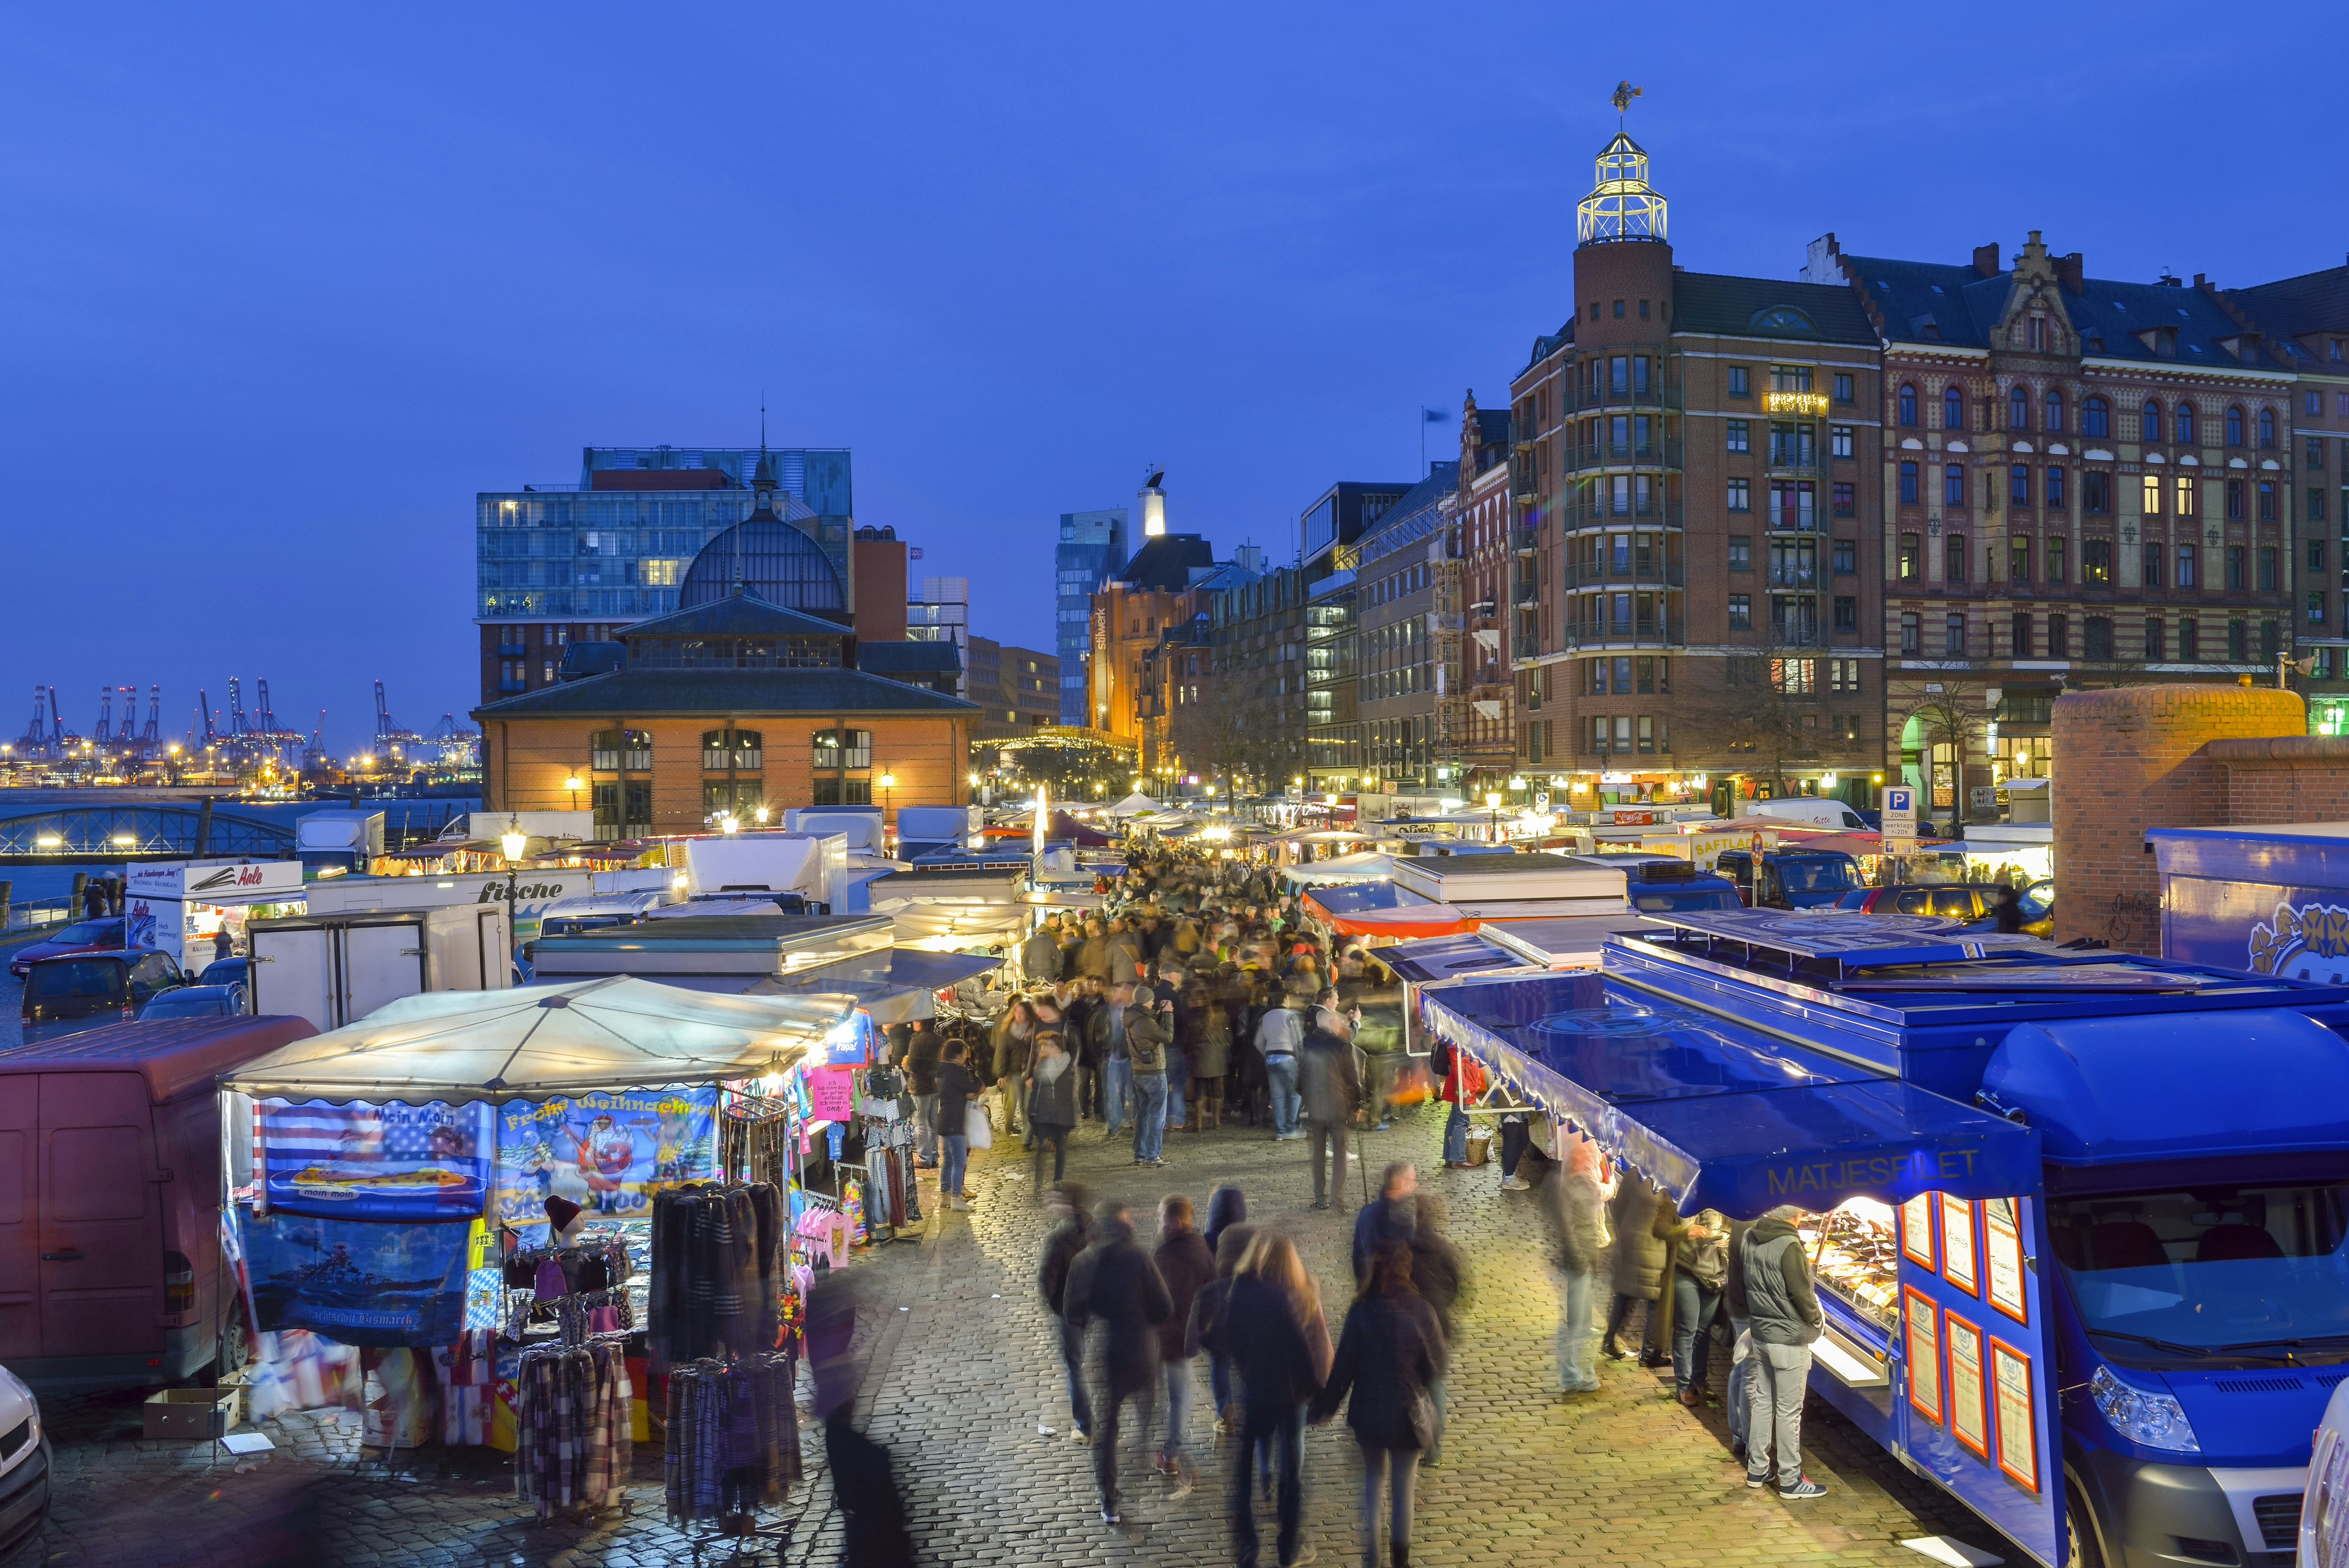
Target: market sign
{"points": [[216, 881], [1795, 402], [355, 1160], [358, 1282], [608, 1153]]}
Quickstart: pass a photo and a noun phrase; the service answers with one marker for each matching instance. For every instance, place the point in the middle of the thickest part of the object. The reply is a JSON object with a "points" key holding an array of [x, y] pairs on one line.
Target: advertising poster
{"points": [[358, 1282], [2002, 1259], [1917, 1229], [2018, 1439], [1958, 1243], [392, 1161], [608, 1153], [1968, 1411], [1924, 1348]]}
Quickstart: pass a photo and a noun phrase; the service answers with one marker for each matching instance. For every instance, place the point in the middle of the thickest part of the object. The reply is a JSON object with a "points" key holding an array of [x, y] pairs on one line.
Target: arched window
{"points": [[620, 751], [740, 750], [1907, 404], [2267, 428], [2054, 410], [2096, 418], [837, 749], [2149, 423], [1953, 409], [2182, 420], [2018, 410], [2234, 427]]}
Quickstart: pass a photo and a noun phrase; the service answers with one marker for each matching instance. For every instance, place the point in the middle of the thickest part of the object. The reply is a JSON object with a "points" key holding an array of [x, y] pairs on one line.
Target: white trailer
{"points": [[334, 970]]}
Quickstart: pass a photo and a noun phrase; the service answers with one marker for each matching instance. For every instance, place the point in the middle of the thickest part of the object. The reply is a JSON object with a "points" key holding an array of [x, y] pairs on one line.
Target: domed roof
{"points": [[769, 556]]}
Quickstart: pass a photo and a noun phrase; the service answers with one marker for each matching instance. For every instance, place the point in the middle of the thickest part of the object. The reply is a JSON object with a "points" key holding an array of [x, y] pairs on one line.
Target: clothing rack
{"points": [[574, 1449]]}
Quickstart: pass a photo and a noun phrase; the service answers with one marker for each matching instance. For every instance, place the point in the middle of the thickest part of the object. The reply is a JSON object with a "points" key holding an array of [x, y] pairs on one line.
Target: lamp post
{"points": [[513, 841], [888, 783], [1493, 805], [573, 785]]}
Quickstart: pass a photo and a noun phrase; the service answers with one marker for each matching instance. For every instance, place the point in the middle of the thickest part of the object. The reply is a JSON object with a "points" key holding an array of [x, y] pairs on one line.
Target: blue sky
{"points": [[282, 289]]}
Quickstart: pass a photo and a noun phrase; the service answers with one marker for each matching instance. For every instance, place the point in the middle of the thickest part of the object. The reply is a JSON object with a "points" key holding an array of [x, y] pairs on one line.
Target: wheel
{"points": [[2080, 1548]]}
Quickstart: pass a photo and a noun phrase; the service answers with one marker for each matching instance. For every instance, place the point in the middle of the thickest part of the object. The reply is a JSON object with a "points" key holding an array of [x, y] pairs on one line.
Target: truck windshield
{"points": [[2217, 1269], [1815, 873]]}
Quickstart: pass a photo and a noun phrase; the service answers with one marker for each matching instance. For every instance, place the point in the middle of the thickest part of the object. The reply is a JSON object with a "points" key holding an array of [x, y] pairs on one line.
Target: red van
{"points": [[110, 1273]]}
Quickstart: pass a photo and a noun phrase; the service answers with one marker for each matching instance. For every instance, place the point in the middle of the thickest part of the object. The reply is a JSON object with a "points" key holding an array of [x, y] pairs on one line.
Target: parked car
{"points": [[1975, 902], [235, 971], [81, 937], [197, 1001], [1658, 884], [1789, 878], [73, 992], [24, 1469]]}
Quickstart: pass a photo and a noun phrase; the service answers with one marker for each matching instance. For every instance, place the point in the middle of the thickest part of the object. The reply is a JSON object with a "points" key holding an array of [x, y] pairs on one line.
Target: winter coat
{"points": [[1226, 1206], [1706, 1262], [922, 1062], [956, 1087], [1581, 1239], [1392, 1348], [1381, 1220], [1187, 1266], [1281, 1029], [1040, 956], [1069, 1238], [1327, 1078], [1437, 1274], [1260, 1334], [1212, 1055], [1780, 1308], [1148, 1033], [1464, 1080], [1092, 959], [1114, 1284], [1052, 1092], [1011, 1047], [1207, 1307], [1645, 1227], [1124, 955]]}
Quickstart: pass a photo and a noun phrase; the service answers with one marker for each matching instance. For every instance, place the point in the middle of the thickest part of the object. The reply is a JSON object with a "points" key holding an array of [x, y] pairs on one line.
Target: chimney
{"points": [[1986, 259], [2072, 272]]}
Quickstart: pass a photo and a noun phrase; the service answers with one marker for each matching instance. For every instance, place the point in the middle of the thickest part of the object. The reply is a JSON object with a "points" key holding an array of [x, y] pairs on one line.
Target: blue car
{"points": [[197, 1001]]}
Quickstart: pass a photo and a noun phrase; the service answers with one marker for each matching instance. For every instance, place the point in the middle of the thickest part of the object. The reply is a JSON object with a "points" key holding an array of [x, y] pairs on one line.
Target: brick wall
{"points": [[2131, 758], [2288, 778]]}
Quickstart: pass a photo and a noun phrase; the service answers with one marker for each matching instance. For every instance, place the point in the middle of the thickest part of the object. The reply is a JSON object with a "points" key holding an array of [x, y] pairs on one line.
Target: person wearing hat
{"points": [[1149, 1034], [1332, 1092]]}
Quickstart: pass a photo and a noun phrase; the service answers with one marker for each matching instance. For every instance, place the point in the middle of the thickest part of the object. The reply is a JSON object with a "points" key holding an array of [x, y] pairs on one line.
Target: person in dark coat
{"points": [[1389, 1217], [1226, 1206], [957, 1090], [1069, 1238], [2007, 910], [1207, 1316], [1389, 1354], [1333, 1091], [1114, 1284], [1261, 1333], [1186, 1266], [921, 1063], [1051, 1095], [875, 1535], [1439, 1275]]}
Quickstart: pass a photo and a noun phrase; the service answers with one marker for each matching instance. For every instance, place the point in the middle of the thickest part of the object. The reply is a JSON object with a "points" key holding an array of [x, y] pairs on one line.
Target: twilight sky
{"points": [[282, 287]]}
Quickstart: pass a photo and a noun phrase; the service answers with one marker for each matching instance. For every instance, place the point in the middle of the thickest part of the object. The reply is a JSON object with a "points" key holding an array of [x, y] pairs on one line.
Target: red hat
{"points": [[561, 1212]]}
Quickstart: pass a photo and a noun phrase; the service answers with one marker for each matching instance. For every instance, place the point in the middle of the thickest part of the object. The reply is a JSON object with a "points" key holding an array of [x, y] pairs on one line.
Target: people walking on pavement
{"points": [[1281, 1038], [1331, 1089], [1187, 1266], [1439, 1274], [1039, 955], [1699, 1268], [1014, 1042], [957, 1092], [1071, 1234], [1389, 1217], [1207, 1315], [1784, 1317], [1213, 1062], [1226, 1206], [1051, 1096], [1641, 1260], [1267, 1342], [1114, 1284], [921, 1065], [1149, 1034], [1109, 1025], [1581, 1236], [1390, 1353]]}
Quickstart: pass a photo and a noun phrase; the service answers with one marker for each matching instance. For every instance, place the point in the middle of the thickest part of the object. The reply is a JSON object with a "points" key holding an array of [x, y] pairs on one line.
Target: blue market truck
{"points": [[2079, 1221], [2272, 900]]}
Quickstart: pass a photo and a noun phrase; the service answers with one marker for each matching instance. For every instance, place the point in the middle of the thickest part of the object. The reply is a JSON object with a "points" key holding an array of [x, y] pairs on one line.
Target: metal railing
{"points": [[1671, 574], [1795, 576], [39, 912], [1663, 454], [1598, 513], [1665, 392]]}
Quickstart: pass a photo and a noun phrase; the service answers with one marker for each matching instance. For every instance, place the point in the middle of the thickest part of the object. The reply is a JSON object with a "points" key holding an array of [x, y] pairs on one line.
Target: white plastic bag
{"points": [[977, 1130]]}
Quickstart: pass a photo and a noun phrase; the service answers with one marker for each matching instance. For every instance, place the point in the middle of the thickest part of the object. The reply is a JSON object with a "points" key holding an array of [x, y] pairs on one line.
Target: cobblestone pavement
{"points": [[962, 1384]]}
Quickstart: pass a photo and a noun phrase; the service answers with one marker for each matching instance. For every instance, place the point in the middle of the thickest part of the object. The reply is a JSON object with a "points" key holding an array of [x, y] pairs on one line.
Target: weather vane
{"points": [[1624, 93]]}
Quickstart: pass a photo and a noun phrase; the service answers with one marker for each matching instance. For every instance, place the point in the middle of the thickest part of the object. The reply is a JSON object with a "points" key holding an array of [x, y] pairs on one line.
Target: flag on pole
{"points": [[1434, 415]]}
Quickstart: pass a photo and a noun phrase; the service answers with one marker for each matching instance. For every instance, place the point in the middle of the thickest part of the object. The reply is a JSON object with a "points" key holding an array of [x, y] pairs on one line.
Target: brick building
{"points": [[1251, 729], [1477, 718], [1697, 582], [1018, 690], [2088, 482], [1402, 567]]}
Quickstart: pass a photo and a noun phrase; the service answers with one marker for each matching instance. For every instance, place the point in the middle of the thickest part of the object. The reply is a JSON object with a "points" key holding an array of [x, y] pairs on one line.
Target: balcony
{"points": [[1600, 513], [1524, 540], [1593, 575], [513, 650], [1780, 521], [1663, 454], [1806, 578], [1526, 591], [1525, 645], [1789, 463], [1664, 393]]}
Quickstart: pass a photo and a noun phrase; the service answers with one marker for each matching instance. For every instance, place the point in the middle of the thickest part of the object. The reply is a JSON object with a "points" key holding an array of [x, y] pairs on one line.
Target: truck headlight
{"points": [[2155, 1420]]}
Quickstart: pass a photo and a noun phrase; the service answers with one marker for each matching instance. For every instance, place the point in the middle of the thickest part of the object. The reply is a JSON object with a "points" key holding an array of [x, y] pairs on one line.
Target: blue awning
{"points": [[1722, 1116], [935, 971]]}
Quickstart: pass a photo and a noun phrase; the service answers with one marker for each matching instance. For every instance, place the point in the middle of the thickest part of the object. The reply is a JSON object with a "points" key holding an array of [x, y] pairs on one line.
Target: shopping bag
{"points": [[977, 1130]]}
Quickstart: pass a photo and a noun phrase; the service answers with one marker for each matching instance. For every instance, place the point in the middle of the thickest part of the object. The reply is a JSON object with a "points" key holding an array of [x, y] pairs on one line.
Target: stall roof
{"points": [[1363, 867], [1437, 959], [1363, 897], [1422, 920], [1854, 940], [173, 1056], [614, 1033], [1722, 1116], [714, 944]]}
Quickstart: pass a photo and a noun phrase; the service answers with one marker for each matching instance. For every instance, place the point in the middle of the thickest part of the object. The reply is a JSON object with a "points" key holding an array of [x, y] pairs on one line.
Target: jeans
{"points": [[1088, 1092], [1329, 1140], [1441, 1398], [1107, 1410], [1149, 1114], [958, 1159], [1117, 1082], [1178, 1080], [1620, 1313], [1456, 1137], [1280, 1077], [926, 1129], [1219, 1382], [1781, 1374], [1395, 1469], [1514, 1139], [1578, 1333], [1047, 1135], [1283, 1427], [1073, 1361], [1178, 1409], [1692, 1310], [1741, 1386]]}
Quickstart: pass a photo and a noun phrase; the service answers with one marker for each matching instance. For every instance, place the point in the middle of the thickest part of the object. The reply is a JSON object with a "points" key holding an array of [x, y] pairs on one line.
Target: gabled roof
{"points": [[1545, 346], [648, 693], [739, 614], [1767, 307], [1928, 302]]}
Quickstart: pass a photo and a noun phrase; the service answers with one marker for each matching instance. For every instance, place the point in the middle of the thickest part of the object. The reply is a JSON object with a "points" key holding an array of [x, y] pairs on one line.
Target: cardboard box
{"points": [[190, 1415]]}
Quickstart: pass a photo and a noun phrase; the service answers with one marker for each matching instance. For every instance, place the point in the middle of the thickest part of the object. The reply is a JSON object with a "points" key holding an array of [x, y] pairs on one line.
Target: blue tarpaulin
{"points": [[1720, 1116]]}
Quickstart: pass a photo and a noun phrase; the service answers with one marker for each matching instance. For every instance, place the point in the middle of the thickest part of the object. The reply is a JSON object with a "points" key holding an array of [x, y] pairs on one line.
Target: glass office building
{"points": [[1092, 551]]}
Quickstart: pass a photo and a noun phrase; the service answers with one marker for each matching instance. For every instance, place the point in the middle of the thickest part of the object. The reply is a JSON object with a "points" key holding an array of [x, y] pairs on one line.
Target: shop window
{"points": [[739, 751], [838, 749], [620, 751]]}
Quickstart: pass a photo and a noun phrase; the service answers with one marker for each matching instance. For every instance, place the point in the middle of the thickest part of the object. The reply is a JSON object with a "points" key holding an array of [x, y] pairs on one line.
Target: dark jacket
{"points": [[1575, 1204], [1732, 1283], [1381, 1220], [1114, 1284], [1207, 1307], [955, 1086], [1069, 1238], [1039, 955], [1260, 1336], [1146, 1034], [1186, 1266], [874, 1515], [1326, 1079], [1389, 1350], [1052, 1100], [922, 1061], [1437, 1273], [1645, 1226], [1780, 1308], [1226, 1206]]}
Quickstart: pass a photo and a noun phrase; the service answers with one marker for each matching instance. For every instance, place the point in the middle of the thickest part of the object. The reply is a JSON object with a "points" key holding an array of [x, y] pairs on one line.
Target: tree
{"points": [[1944, 721], [1772, 709]]}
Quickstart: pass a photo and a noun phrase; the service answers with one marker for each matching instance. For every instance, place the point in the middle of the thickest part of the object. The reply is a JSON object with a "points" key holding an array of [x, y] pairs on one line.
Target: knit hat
{"points": [[561, 1212]]}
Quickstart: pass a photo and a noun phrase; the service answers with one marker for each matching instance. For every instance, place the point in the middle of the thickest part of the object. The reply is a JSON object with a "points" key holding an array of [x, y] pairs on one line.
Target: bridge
{"points": [[140, 832]]}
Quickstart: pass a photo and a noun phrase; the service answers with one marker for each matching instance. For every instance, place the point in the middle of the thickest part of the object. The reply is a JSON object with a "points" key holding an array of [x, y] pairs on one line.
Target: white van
{"points": [[1810, 811]]}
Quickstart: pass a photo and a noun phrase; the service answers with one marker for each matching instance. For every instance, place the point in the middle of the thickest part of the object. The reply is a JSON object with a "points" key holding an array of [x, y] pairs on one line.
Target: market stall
{"points": [[181, 907]]}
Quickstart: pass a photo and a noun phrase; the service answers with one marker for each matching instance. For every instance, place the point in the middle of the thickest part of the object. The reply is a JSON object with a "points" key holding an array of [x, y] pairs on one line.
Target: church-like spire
{"points": [[1623, 205]]}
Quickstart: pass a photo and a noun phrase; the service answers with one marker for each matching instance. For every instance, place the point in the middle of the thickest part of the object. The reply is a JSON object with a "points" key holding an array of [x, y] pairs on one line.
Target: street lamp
{"points": [[726, 824], [888, 783], [513, 841], [761, 815], [575, 786], [1493, 805]]}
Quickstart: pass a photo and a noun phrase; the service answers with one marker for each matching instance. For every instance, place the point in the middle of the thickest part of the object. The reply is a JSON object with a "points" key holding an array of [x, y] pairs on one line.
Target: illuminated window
{"points": [[2150, 494]]}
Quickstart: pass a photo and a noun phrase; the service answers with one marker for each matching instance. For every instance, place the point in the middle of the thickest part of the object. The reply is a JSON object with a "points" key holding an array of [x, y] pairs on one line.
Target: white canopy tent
{"points": [[1135, 804], [1362, 866], [614, 1033]]}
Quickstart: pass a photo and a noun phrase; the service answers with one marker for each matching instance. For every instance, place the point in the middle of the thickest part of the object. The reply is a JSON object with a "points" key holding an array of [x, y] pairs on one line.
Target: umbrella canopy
{"points": [[614, 1032], [1135, 804]]}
